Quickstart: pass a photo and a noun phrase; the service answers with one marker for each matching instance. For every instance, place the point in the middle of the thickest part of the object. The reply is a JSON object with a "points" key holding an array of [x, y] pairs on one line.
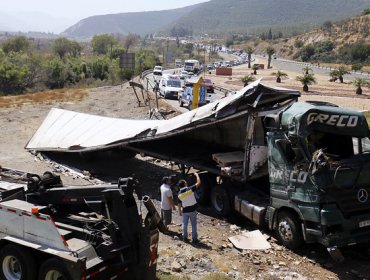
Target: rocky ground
{"points": [[214, 253]]}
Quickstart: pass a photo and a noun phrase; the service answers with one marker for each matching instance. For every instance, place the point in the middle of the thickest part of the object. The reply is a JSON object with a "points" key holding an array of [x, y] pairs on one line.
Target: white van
{"points": [[170, 86]]}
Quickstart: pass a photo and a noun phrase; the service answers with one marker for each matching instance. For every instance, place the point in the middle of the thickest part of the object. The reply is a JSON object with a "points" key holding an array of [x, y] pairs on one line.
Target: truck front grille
{"points": [[348, 200]]}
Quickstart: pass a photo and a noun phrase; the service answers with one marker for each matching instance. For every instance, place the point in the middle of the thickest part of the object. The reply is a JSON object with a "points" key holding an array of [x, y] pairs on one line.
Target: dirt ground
{"points": [[215, 253]]}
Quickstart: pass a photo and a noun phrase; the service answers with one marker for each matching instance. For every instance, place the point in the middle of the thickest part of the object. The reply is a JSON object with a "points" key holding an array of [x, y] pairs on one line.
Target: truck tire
{"points": [[54, 269], [288, 230], [17, 263], [220, 200]]}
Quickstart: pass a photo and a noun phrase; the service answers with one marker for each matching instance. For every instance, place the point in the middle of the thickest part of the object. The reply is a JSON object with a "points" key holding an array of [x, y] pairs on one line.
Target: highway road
{"points": [[174, 102], [295, 66]]}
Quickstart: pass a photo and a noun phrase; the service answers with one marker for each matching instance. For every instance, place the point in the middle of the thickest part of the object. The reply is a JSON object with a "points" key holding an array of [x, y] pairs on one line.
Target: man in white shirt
{"points": [[167, 203]]}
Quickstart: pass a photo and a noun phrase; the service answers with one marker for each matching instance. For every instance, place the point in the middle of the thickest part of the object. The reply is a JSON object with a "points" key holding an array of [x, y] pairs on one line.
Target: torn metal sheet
{"points": [[252, 240], [69, 131]]}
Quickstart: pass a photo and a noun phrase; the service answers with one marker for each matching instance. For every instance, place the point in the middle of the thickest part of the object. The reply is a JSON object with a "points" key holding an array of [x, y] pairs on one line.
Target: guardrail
{"points": [[222, 89]]}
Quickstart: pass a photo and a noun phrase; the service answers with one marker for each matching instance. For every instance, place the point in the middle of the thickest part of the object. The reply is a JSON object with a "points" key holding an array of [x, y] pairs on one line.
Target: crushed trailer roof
{"points": [[70, 131]]}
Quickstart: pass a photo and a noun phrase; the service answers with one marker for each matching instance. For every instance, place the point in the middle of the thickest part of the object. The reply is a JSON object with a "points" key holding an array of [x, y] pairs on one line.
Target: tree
{"points": [[307, 70], [189, 48], [306, 52], [247, 79], [359, 83], [229, 42], [365, 12], [269, 35], [56, 74], [249, 50], [341, 72], [12, 77], [278, 75], [270, 51], [63, 46], [306, 80], [17, 44], [75, 49], [104, 43], [334, 75], [129, 41], [255, 67], [357, 67], [327, 26]]}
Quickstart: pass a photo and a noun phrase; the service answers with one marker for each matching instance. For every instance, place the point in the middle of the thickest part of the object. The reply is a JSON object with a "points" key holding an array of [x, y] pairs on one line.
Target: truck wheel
{"points": [[17, 263], [54, 269], [220, 201], [288, 230]]}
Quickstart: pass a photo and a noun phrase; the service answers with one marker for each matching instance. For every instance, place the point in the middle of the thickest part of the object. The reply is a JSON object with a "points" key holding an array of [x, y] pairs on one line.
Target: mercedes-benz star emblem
{"points": [[362, 195]]}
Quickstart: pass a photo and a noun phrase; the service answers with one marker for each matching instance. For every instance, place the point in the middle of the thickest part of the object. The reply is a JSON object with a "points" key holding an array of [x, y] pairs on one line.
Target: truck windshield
{"points": [[336, 146], [174, 83], [189, 64]]}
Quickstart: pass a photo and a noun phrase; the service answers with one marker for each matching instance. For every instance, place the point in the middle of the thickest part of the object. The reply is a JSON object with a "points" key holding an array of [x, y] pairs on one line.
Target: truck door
{"points": [[279, 152]]}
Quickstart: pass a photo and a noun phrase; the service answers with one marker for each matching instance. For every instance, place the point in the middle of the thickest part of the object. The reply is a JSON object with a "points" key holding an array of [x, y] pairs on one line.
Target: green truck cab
{"points": [[319, 175]]}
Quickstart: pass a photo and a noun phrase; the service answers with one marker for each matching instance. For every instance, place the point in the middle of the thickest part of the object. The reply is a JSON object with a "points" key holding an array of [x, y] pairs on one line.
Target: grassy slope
{"points": [[138, 23], [239, 15]]}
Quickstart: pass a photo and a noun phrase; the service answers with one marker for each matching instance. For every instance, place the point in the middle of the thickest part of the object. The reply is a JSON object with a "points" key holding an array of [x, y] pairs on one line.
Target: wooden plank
{"points": [[229, 159]]}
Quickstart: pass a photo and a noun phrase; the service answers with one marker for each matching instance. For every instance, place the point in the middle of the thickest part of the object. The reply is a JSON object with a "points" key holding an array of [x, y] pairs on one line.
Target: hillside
{"points": [[124, 23], [347, 32], [219, 16]]}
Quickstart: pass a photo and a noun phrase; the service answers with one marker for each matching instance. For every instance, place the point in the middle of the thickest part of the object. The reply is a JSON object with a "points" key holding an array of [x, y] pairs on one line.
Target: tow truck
{"points": [[51, 231]]}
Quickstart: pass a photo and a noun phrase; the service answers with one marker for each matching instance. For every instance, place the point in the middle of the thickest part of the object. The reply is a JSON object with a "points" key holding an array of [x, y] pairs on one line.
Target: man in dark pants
{"points": [[188, 207], [167, 203]]}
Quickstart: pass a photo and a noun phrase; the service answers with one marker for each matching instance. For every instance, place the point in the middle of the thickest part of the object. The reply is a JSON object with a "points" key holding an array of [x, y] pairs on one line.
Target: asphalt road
{"points": [[174, 102], [294, 66]]}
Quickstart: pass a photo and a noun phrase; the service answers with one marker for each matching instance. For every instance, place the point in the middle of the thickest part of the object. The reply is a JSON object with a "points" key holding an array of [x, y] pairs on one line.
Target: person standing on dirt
{"points": [[167, 203], [188, 208]]}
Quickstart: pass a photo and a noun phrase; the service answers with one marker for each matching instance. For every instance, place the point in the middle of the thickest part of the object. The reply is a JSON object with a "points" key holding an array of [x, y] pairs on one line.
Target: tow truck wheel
{"points": [[220, 200], [54, 269], [16, 263], [288, 230]]}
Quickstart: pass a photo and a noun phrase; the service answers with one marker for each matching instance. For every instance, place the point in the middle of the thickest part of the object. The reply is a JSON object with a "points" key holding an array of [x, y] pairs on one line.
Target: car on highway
{"points": [[158, 70], [184, 75], [209, 85], [210, 67], [170, 86]]}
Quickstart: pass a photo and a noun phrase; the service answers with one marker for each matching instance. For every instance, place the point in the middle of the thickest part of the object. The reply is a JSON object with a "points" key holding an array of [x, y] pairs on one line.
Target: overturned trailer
{"points": [[299, 168]]}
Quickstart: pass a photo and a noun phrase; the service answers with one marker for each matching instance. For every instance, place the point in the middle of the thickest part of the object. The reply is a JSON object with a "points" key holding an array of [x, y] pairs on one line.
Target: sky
{"points": [[79, 9]]}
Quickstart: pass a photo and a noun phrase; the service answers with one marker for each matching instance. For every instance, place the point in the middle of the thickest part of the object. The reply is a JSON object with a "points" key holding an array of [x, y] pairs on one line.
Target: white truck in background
{"points": [[192, 65]]}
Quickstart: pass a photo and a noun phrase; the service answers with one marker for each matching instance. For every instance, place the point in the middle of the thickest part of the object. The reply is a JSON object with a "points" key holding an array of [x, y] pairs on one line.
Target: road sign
{"points": [[127, 61], [202, 93]]}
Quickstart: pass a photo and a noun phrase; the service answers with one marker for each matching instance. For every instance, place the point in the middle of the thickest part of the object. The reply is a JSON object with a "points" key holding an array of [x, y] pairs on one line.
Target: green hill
{"points": [[220, 16], [125, 23], [224, 16]]}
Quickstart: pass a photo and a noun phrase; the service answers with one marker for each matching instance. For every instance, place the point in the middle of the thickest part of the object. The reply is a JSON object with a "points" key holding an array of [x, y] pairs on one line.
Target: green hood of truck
{"points": [[302, 118]]}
